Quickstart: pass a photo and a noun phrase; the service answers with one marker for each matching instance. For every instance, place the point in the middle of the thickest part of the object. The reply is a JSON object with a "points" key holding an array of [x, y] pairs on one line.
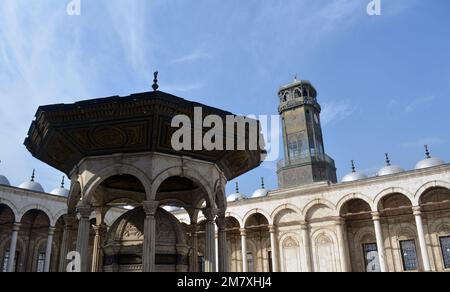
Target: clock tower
{"points": [[305, 161]]}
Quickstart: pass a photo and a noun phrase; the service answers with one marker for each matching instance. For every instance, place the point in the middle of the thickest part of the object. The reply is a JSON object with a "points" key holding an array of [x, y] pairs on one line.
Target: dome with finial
{"points": [[236, 196], [32, 185], [429, 161], [61, 191], [354, 175], [389, 168], [262, 192], [4, 180]]}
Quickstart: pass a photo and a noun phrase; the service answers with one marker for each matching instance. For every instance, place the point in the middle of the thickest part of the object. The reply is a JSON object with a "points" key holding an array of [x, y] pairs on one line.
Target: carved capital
{"points": [[150, 207], [210, 213], [243, 231], [51, 231], [221, 223], [417, 211], [84, 211], [272, 229], [16, 227], [376, 216]]}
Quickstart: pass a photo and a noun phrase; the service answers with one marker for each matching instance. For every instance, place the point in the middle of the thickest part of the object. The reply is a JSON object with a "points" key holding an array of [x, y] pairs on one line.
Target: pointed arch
{"points": [[353, 196]]}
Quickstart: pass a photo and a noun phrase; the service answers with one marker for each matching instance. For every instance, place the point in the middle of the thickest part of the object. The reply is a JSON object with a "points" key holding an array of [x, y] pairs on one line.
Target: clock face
{"points": [[316, 118]]}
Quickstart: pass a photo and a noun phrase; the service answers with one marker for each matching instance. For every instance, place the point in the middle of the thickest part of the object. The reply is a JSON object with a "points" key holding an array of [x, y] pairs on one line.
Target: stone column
{"points": [[222, 245], [48, 250], [149, 246], [66, 243], [274, 247], [194, 239], [84, 213], [380, 241], [97, 253], [340, 228], [13, 247], [210, 253], [306, 247], [422, 241], [244, 250]]}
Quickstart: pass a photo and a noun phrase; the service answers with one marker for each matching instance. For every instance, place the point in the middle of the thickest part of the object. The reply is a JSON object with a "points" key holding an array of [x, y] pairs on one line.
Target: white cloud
{"points": [[194, 56], [417, 103], [333, 112]]}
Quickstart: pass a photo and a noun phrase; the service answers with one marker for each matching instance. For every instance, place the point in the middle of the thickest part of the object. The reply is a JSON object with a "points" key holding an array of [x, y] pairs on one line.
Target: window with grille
{"points": [[409, 255], [41, 262], [6, 261], [371, 259], [445, 247]]}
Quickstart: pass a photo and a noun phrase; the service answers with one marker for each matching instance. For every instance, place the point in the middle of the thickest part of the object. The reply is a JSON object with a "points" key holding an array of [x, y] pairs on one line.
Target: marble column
{"points": [[194, 240], [97, 253], [380, 241], [48, 250], [306, 247], [222, 245], [13, 247], [66, 243], [149, 246], [274, 247], [84, 213], [343, 254], [244, 250], [422, 241], [210, 244]]}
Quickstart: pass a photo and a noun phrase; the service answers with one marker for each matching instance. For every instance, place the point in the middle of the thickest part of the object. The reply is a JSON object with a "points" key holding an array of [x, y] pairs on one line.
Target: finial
{"points": [[237, 187], [295, 77], [62, 182], [353, 166], [388, 161], [262, 183], [427, 152], [155, 81], [33, 175]]}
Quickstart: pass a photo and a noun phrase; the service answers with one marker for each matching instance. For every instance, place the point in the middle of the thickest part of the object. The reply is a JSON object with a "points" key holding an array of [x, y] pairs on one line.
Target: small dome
{"points": [[262, 192], [429, 161], [4, 181], [354, 175], [32, 185], [61, 191], [236, 196], [389, 169]]}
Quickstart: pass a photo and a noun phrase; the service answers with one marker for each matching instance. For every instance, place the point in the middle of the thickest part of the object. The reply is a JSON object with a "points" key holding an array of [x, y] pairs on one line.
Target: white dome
{"points": [[429, 162], [4, 181], [62, 192], [260, 193], [354, 176], [235, 197], [32, 186], [390, 169]]}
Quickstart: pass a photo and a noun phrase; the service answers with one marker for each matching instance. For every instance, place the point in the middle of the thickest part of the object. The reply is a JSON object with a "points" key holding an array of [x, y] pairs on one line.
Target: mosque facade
{"points": [[122, 217]]}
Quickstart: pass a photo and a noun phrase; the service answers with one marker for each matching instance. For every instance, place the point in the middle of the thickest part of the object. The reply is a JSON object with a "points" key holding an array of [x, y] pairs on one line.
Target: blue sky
{"points": [[383, 81]]}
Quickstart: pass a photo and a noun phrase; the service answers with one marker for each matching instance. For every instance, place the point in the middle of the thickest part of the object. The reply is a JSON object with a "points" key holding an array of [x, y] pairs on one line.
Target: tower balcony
{"points": [[305, 160]]}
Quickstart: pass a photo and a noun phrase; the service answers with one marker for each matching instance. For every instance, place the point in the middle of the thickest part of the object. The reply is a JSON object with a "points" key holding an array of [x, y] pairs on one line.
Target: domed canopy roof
{"points": [[61, 191], [236, 196], [389, 169], [4, 181], [32, 185], [262, 192], [429, 161], [354, 175]]}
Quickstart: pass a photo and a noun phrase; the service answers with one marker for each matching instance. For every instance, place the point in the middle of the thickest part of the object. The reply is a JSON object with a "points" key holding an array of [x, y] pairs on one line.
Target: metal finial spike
{"points": [[155, 81], [427, 152], [62, 182], [262, 183], [295, 77], [237, 187], [33, 175], [388, 161], [353, 166]]}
